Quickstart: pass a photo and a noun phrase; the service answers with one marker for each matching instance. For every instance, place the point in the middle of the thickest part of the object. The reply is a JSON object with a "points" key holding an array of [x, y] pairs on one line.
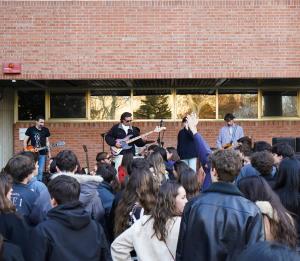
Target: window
{"points": [[152, 104], [242, 103], [109, 104], [30, 104], [68, 105], [279, 103], [202, 102]]}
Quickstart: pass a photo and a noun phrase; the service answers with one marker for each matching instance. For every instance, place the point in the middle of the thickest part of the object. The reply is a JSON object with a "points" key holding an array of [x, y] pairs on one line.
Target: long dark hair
{"points": [[141, 188], [179, 167], [189, 180], [165, 208], [256, 188], [127, 162], [6, 183], [287, 185]]}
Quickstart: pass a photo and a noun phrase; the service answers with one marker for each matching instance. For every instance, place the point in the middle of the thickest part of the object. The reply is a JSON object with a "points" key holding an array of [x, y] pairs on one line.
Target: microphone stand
{"points": [[159, 138], [103, 136]]}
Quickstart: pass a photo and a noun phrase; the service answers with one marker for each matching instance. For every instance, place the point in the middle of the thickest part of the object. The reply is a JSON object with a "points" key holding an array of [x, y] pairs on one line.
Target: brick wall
{"points": [[151, 39], [76, 134]]}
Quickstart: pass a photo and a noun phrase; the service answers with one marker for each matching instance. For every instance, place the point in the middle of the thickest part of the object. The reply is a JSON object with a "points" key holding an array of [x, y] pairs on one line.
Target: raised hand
{"points": [[192, 122]]}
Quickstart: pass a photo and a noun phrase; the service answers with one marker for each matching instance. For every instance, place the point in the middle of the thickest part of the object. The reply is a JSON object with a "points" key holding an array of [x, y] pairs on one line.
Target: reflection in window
{"points": [[109, 104], [30, 104], [202, 102], [276, 103], [152, 104], [67, 105], [241, 103]]}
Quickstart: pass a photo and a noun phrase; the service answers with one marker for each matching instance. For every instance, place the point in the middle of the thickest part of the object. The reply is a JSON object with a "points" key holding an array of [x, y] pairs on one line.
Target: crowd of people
{"points": [[186, 203]]}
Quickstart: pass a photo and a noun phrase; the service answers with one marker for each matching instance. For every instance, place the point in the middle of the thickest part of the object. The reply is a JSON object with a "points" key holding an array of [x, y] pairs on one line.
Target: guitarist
{"points": [[38, 136], [120, 131], [230, 133]]}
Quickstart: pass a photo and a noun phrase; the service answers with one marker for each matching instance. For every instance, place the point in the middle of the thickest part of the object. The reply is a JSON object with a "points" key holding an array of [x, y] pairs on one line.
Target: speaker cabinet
{"points": [[289, 140]]}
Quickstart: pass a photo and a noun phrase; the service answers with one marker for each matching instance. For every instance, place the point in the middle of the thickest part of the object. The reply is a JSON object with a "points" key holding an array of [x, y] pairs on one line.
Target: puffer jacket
{"points": [[218, 225], [88, 194]]}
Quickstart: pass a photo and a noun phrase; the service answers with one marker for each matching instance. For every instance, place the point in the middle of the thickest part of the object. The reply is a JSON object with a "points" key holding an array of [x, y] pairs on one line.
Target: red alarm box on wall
{"points": [[11, 68]]}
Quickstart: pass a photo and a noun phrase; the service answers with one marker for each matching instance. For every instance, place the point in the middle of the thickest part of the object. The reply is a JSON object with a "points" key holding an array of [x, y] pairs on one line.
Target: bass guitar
{"points": [[127, 140], [35, 149]]}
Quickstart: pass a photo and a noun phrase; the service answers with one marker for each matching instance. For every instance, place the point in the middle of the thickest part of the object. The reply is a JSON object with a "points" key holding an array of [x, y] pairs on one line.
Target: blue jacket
{"points": [[106, 195], [203, 151]]}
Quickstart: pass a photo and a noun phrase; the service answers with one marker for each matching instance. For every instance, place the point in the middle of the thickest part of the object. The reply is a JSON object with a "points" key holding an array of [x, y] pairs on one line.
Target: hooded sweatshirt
{"points": [[69, 234], [88, 194]]}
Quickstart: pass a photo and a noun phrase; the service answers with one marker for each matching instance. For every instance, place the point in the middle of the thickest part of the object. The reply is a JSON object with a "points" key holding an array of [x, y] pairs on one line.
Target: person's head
{"points": [[191, 183], [157, 166], [103, 157], [184, 122], [140, 189], [162, 151], [52, 165], [288, 183], [39, 121], [63, 189], [229, 119], [138, 164], [170, 202], [107, 172], [266, 251], [66, 161], [34, 157], [282, 150], [6, 183], [126, 118], [172, 154], [256, 188], [179, 167], [151, 149], [263, 162], [225, 165], [21, 168], [261, 146]]}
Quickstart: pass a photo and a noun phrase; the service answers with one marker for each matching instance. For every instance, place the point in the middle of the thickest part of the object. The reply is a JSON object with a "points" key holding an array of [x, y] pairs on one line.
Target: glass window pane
{"points": [[109, 104], [152, 104], [67, 105], [202, 102], [279, 103], [30, 104], [242, 103]]}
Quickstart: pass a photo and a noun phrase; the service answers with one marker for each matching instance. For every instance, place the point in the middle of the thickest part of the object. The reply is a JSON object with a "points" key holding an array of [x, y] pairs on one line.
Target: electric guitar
{"points": [[34, 149], [124, 142]]}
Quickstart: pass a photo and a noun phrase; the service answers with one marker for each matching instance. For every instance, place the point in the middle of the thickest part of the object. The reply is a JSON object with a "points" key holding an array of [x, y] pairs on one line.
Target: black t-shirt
{"points": [[38, 137]]}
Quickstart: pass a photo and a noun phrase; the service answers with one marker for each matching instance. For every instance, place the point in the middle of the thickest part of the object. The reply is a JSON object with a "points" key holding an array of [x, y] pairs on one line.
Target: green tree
{"points": [[154, 107]]}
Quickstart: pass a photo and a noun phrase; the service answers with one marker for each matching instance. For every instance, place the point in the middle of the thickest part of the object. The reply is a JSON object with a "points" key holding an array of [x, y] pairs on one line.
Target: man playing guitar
{"points": [[120, 131], [38, 136], [230, 133]]}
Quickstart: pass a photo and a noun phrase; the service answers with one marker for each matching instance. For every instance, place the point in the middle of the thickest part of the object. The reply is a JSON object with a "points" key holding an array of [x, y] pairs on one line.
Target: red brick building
{"points": [[245, 53]]}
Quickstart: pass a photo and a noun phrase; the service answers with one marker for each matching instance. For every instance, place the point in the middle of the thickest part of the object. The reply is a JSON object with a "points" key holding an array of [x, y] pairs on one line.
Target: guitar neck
{"points": [[138, 137]]}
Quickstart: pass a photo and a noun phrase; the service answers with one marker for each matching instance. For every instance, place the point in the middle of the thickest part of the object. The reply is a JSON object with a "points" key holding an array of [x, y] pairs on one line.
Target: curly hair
{"points": [[263, 162], [6, 183], [227, 164], [165, 208], [141, 188]]}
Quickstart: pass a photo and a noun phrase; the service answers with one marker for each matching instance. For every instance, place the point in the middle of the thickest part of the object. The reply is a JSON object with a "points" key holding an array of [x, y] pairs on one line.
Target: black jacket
{"points": [[218, 225], [69, 234], [11, 252], [117, 132], [14, 229], [186, 145]]}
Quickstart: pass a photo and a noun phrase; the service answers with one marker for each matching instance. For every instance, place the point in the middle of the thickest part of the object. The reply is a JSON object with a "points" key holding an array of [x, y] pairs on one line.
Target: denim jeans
{"points": [[192, 163], [42, 161]]}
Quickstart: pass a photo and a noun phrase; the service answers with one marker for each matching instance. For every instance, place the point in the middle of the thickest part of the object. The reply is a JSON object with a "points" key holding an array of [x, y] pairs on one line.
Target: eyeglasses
{"points": [[128, 121]]}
